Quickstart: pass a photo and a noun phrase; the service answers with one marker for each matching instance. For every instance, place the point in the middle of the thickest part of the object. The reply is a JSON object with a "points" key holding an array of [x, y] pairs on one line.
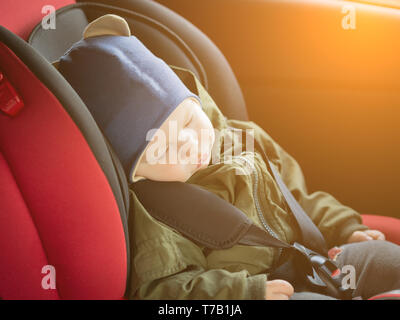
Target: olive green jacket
{"points": [[166, 265]]}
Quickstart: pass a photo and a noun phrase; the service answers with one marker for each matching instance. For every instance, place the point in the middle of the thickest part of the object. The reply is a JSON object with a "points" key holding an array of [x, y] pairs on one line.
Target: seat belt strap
{"points": [[311, 236]]}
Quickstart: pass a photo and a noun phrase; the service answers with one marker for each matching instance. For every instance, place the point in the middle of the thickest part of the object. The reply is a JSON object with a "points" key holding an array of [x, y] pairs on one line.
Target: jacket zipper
{"points": [[257, 203]]}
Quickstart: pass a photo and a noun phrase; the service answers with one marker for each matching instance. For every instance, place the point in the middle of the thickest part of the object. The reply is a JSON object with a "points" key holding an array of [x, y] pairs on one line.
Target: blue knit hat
{"points": [[127, 89]]}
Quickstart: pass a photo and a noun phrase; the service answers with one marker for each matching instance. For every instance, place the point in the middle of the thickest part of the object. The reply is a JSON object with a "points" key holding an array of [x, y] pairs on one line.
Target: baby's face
{"points": [[180, 147]]}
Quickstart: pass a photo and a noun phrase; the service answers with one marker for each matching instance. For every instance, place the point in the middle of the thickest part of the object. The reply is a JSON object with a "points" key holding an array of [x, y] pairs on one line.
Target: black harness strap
{"points": [[311, 236]]}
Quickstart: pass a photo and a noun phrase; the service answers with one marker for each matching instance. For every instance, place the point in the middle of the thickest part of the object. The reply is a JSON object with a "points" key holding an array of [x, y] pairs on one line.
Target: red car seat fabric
{"points": [[20, 16], [388, 225], [56, 205], [21, 251]]}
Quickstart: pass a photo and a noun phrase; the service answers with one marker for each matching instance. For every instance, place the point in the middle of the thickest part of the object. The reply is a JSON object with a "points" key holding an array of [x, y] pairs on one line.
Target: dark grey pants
{"points": [[377, 269]]}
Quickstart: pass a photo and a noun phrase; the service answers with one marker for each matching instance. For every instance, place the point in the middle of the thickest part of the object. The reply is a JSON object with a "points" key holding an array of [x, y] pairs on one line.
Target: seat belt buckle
{"points": [[325, 275], [10, 102]]}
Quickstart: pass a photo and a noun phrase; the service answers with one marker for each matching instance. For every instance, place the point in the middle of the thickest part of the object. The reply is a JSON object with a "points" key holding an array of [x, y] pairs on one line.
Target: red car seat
{"points": [[388, 225], [62, 202], [63, 197]]}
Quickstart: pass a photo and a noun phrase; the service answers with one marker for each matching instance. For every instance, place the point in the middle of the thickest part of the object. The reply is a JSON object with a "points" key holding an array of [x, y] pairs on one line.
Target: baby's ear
{"points": [[109, 24]]}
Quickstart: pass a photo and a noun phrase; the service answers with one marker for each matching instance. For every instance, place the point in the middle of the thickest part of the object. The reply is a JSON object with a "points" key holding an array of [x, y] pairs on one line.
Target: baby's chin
{"points": [[174, 178], [181, 175], [190, 172]]}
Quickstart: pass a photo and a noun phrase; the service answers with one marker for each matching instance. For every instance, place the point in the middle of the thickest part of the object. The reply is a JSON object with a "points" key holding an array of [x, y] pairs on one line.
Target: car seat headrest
{"points": [[171, 37]]}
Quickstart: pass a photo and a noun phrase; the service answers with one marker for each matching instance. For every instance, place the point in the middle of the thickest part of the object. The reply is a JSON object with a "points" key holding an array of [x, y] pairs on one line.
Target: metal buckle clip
{"points": [[325, 275]]}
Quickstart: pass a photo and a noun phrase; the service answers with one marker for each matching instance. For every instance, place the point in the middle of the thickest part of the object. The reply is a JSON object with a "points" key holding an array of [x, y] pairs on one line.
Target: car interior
{"points": [[326, 90]]}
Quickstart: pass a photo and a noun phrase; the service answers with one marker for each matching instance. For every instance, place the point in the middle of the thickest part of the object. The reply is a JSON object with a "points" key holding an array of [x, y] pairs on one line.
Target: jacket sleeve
{"points": [[167, 265], [335, 220], [200, 284]]}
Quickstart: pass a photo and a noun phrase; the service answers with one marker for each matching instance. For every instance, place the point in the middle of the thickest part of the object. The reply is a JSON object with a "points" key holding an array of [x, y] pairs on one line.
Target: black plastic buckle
{"points": [[326, 276]]}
